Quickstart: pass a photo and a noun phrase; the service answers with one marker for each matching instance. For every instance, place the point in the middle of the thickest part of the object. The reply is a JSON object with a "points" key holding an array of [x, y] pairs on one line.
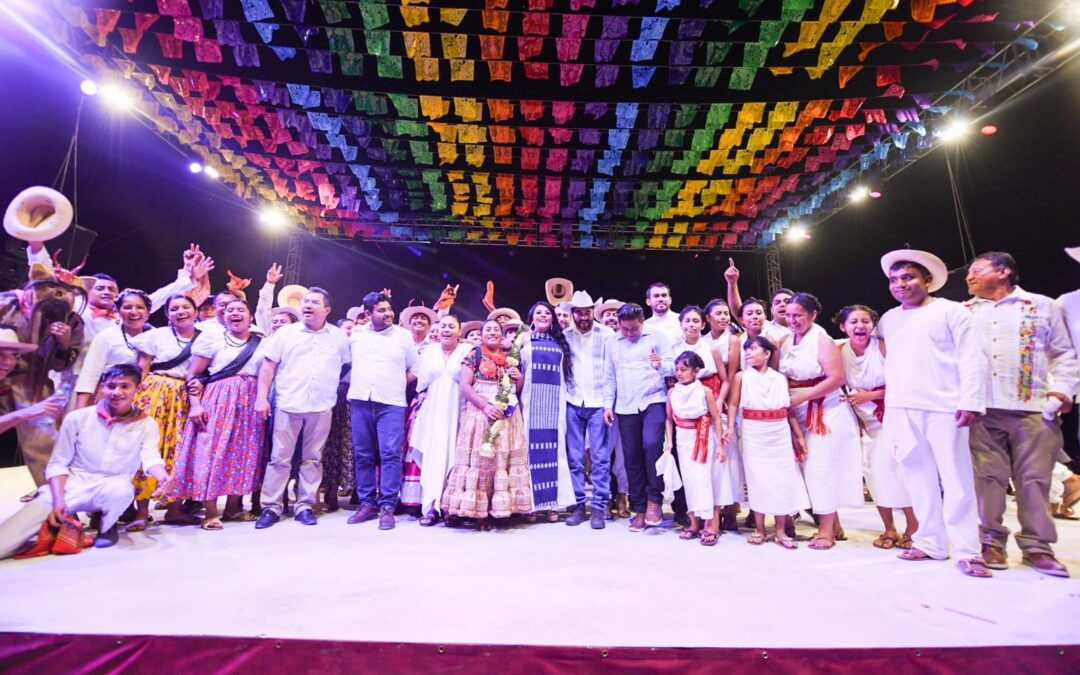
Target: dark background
{"points": [[1018, 189]]}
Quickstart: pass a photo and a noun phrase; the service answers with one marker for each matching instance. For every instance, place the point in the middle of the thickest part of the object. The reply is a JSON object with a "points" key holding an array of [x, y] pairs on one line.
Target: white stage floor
{"points": [[542, 584]]}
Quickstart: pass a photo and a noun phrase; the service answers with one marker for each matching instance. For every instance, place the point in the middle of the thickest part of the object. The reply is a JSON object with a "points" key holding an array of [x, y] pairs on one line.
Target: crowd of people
{"points": [[579, 411]]}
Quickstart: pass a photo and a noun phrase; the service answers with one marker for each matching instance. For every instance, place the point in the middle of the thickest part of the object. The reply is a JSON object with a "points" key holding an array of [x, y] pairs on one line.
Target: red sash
{"points": [[713, 383], [701, 438], [879, 405], [765, 415], [815, 408]]}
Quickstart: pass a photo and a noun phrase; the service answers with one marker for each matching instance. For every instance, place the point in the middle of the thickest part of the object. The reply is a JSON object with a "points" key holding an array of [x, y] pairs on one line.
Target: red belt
{"points": [[879, 405], [701, 438], [815, 407], [765, 415]]}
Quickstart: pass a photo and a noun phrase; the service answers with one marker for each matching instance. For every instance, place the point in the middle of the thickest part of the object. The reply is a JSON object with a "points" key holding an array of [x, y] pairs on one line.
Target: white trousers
{"points": [[111, 495], [935, 462]]}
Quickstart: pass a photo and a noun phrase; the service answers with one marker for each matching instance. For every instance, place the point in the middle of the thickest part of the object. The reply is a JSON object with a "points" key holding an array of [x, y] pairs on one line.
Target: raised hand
{"points": [[274, 274], [731, 274], [202, 268]]}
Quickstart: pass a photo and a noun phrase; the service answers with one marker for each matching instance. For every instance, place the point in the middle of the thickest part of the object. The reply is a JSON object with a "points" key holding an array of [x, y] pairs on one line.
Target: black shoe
{"points": [[107, 538], [596, 520], [577, 515], [386, 518], [306, 517], [266, 519], [682, 519]]}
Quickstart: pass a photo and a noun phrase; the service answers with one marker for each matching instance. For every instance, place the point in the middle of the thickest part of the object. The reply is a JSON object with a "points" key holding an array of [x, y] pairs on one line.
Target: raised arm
{"points": [[731, 275]]}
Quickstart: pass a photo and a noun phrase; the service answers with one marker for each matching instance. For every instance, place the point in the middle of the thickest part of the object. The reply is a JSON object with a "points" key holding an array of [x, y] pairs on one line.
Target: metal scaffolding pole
{"points": [[772, 267], [294, 258]]}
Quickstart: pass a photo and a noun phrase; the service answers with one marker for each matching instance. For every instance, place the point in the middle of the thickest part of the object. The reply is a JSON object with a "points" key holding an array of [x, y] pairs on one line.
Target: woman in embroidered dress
{"points": [[438, 374], [163, 357], [864, 370], [488, 480], [693, 422], [223, 436], [337, 456], [723, 335], [545, 364], [419, 321], [833, 468]]}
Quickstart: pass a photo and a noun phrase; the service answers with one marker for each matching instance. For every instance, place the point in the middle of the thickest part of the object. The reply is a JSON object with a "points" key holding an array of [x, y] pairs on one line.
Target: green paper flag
{"points": [[352, 64], [771, 32], [718, 115], [685, 115], [406, 105], [378, 42], [675, 138], [716, 52], [793, 10], [335, 11], [341, 40], [750, 6], [375, 15], [742, 78], [704, 139], [389, 66], [706, 77]]}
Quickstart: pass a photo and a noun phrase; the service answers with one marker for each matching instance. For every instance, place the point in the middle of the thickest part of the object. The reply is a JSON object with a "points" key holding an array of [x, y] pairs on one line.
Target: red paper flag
{"points": [[532, 110], [491, 47], [536, 71], [887, 75]]}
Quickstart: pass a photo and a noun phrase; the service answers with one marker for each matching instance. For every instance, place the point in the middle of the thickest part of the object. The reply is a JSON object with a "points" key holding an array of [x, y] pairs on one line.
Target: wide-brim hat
{"points": [[408, 313], [511, 325], [470, 326], [558, 290], [1074, 252], [38, 214], [581, 300], [9, 339], [504, 311], [608, 305], [292, 295], [939, 272]]}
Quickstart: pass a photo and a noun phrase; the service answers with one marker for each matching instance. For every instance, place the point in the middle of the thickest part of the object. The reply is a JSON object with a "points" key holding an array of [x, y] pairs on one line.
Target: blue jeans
{"points": [[580, 420], [377, 428]]}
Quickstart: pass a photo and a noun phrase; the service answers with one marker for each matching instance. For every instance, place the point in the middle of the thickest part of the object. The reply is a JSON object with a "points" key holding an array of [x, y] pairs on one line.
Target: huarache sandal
{"points": [[688, 534], [914, 555], [709, 538], [212, 524], [886, 541], [974, 567], [755, 538], [138, 525], [785, 542], [904, 542], [822, 543]]}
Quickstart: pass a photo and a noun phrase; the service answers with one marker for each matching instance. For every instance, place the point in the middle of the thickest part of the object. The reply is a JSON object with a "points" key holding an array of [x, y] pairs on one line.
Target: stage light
{"points": [[797, 233], [273, 219], [988, 129], [211, 172], [954, 130], [875, 194], [859, 193], [195, 167], [117, 96], [88, 87]]}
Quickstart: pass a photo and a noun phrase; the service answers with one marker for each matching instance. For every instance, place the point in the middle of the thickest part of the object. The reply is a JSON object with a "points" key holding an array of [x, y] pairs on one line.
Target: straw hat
{"points": [[504, 311], [353, 313], [939, 273], [9, 339], [38, 214], [292, 295], [608, 305], [470, 326], [408, 313], [558, 290], [291, 311], [1074, 253]]}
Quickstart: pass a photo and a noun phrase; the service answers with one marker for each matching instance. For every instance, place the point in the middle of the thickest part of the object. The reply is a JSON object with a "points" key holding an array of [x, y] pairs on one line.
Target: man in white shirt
{"points": [[304, 360], [1032, 378], [935, 376], [658, 299], [585, 401], [97, 453], [382, 357], [637, 363]]}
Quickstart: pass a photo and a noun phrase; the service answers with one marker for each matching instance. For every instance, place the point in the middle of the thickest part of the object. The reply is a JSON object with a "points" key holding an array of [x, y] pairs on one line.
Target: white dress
{"points": [[833, 466], [434, 431], [707, 483], [882, 471], [773, 481]]}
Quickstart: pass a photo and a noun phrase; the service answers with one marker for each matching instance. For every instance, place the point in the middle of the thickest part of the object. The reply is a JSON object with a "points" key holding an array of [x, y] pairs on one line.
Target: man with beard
{"points": [[658, 299]]}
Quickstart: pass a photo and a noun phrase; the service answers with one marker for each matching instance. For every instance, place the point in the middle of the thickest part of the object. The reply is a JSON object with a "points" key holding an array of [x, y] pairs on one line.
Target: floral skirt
{"points": [[479, 486], [337, 459], [220, 459], [410, 469], [164, 399]]}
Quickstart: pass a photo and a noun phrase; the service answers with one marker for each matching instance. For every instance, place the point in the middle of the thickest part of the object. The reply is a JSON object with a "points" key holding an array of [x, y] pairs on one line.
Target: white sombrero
{"points": [[470, 326], [1074, 253], [608, 305], [408, 313], [353, 313], [292, 295], [558, 290], [939, 273], [504, 311], [38, 214], [9, 339]]}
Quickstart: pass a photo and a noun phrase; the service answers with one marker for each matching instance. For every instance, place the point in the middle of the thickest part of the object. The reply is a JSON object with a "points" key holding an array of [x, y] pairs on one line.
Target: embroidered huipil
{"points": [[1030, 351]]}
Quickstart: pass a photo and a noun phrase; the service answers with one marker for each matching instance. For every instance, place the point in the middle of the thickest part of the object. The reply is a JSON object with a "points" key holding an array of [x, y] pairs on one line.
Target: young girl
{"points": [[693, 420], [759, 395], [864, 369]]}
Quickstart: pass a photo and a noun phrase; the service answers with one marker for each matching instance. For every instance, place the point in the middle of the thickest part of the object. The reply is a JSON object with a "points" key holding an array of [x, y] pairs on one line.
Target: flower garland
{"points": [[505, 398], [1028, 326]]}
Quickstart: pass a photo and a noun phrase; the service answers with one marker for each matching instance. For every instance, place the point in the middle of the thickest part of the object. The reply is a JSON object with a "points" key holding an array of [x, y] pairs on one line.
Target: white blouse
{"points": [[213, 346], [108, 349], [162, 344]]}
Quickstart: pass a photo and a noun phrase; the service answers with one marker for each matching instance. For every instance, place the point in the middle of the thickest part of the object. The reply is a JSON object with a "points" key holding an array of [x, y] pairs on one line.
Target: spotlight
{"points": [[859, 193], [211, 172], [88, 87], [875, 194], [955, 130], [988, 129], [195, 167], [118, 96], [797, 233], [273, 218]]}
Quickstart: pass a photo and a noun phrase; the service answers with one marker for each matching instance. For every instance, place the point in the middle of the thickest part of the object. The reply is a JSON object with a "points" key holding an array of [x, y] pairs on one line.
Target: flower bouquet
{"points": [[505, 398]]}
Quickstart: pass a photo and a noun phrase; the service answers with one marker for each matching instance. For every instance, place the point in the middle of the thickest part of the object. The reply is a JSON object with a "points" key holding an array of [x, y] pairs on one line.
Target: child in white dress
{"points": [[693, 420], [771, 441]]}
